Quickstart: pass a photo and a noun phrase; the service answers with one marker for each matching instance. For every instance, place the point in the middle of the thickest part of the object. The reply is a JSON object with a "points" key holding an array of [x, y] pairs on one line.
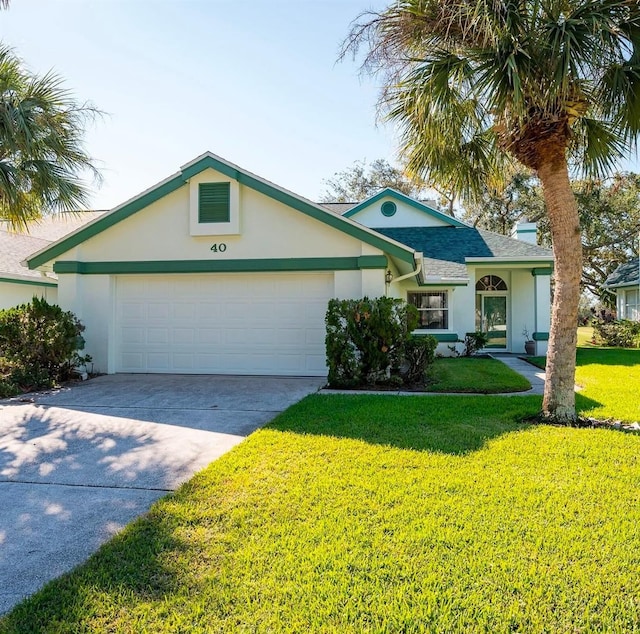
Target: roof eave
{"points": [[203, 162]]}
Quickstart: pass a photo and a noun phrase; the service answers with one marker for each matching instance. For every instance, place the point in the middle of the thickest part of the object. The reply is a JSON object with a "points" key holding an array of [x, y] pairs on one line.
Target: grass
{"points": [[608, 378], [377, 514], [474, 375]]}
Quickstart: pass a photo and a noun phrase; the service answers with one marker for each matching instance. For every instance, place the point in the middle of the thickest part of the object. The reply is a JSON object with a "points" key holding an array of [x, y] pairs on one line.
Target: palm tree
{"points": [[42, 159], [476, 84]]}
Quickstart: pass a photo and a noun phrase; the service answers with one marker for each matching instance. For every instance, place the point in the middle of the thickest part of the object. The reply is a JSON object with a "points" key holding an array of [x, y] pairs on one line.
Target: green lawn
{"points": [[609, 379], [365, 513], [476, 375]]}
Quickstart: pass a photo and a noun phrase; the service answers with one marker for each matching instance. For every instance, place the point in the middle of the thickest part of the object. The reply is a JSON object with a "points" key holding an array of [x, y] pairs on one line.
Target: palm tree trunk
{"points": [[559, 395]]}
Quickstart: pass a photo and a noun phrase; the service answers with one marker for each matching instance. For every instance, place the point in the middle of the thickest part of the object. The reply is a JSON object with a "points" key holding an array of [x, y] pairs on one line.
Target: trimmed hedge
{"points": [[39, 344], [369, 342]]}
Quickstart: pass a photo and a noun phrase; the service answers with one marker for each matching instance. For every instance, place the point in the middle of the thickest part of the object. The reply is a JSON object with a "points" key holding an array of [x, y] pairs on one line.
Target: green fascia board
{"points": [[13, 280], [497, 262], [443, 284], [392, 193], [541, 336], [439, 336], [175, 182], [519, 231], [223, 266], [542, 271]]}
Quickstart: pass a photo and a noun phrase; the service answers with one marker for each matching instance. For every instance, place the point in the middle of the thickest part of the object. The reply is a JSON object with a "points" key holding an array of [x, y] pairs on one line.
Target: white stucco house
{"points": [[18, 283], [216, 270], [625, 283]]}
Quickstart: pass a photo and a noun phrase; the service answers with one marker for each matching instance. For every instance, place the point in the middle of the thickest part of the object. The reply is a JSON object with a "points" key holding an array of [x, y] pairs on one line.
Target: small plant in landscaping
{"points": [[39, 344], [471, 344], [419, 355]]}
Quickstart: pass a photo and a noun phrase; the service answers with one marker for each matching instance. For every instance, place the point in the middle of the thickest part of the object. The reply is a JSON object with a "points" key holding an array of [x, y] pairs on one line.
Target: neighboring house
{"points": [[18, 283], [216, 270], [625, 283]]}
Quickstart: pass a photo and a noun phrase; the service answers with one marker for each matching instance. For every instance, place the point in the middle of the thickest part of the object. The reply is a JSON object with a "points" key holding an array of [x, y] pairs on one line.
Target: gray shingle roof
{"points": [[338, 208], [16, 247], [445, 248], [624, 275]]}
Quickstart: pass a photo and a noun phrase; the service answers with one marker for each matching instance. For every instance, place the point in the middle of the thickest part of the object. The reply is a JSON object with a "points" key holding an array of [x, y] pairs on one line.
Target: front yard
{"points": [[362, 513]]}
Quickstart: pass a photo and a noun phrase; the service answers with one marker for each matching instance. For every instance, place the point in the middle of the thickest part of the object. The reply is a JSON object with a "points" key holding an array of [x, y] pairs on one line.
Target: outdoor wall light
{"points": [[388, 278]]}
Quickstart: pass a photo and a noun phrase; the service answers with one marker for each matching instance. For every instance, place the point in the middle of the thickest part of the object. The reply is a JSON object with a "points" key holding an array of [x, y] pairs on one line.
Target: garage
{"points": [[261, 323]]}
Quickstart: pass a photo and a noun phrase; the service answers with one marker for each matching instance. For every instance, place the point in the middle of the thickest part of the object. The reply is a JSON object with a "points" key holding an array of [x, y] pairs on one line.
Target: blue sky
{"points": [[253, 81]]}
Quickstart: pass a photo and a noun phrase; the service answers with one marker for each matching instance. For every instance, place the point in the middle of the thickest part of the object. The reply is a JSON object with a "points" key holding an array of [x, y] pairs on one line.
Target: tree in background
{"points": [[360, 181], [517, 199], [609, 211], [610, 222], [42, 158], [478, 84]]}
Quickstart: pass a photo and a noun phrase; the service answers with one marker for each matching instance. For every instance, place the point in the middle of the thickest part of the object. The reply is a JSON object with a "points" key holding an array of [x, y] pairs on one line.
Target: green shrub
{"points": [[39, 344], [617, 333], [474, 341], [419, 355], [366, 338]]}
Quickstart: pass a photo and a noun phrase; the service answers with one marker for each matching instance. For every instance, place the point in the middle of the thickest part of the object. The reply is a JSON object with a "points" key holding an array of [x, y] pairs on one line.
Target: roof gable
{"points": [[428, 213], [203, 162]]}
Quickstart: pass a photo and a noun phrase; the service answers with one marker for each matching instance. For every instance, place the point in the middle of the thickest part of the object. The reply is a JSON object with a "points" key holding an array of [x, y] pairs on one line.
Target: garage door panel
{"points": [[234, 323]]}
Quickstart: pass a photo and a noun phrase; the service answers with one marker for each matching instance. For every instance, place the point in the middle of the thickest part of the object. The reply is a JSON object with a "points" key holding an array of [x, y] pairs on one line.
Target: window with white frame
{"points": [[632, 305], [433, 309]]}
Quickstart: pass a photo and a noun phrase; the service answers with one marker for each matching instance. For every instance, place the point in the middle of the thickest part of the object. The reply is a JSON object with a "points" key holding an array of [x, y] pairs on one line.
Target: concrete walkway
{"points": [[78, 464], [534, 375]]}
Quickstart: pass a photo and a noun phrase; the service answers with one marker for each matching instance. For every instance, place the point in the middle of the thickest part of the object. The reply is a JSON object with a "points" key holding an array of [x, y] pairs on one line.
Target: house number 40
{"points": [[219, 247]]}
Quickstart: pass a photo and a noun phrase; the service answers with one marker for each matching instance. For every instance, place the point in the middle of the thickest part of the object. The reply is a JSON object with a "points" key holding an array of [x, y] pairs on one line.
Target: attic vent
{"points": [[213, 202], [388, 208]]}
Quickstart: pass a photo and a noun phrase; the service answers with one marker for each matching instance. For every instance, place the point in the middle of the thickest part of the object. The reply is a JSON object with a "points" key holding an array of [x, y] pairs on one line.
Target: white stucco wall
{"points": [[268, 229], [14, 294]]}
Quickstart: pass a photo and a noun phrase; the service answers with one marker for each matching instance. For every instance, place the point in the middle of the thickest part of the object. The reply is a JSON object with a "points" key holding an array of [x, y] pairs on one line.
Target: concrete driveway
{"points": [[79, 463]]}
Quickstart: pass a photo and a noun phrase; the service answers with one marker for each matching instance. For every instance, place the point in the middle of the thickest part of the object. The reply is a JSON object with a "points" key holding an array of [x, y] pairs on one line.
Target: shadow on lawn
{"points": [[131, 563], [608, 356], [454, 425]]}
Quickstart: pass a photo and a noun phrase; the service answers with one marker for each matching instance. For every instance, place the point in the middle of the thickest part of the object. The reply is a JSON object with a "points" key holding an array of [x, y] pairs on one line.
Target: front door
{"points": [[491, 318]]}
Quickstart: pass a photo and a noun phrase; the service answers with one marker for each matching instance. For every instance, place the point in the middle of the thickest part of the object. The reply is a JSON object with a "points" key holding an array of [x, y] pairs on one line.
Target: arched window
{"points": [[491, 283]]}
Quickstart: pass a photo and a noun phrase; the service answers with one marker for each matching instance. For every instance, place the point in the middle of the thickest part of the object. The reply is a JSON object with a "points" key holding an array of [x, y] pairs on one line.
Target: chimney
{"points": [[525, 231]]}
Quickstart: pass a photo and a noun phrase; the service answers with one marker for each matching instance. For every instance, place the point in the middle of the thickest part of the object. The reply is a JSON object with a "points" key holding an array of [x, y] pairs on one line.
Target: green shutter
{"points": [[213, 202]]}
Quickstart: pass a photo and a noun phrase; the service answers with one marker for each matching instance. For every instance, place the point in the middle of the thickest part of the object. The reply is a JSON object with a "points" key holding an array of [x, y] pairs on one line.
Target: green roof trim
{"points": [[542, 271], [540, 336], [222, 266], [199, 165], [440, 336], [13, 280], [392, 193]]}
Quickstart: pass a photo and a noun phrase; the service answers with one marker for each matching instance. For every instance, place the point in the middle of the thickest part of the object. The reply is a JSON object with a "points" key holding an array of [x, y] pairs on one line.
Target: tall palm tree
{"points": [[553, 85], [42, 159]]}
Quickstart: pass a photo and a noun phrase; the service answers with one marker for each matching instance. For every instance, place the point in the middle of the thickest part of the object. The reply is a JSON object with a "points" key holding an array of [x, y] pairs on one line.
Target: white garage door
{"points": [[222, 324]]}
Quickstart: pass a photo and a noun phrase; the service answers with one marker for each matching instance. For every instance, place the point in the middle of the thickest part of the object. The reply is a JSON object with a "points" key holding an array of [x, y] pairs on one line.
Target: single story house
{"points": [[217, 270], [625, 283], [19, 283]]}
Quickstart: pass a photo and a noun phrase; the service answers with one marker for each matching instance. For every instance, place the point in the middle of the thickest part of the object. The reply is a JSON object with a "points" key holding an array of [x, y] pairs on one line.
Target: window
{"points": [[213, 202], [491, 283], [433, 309], [631, 305]]}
